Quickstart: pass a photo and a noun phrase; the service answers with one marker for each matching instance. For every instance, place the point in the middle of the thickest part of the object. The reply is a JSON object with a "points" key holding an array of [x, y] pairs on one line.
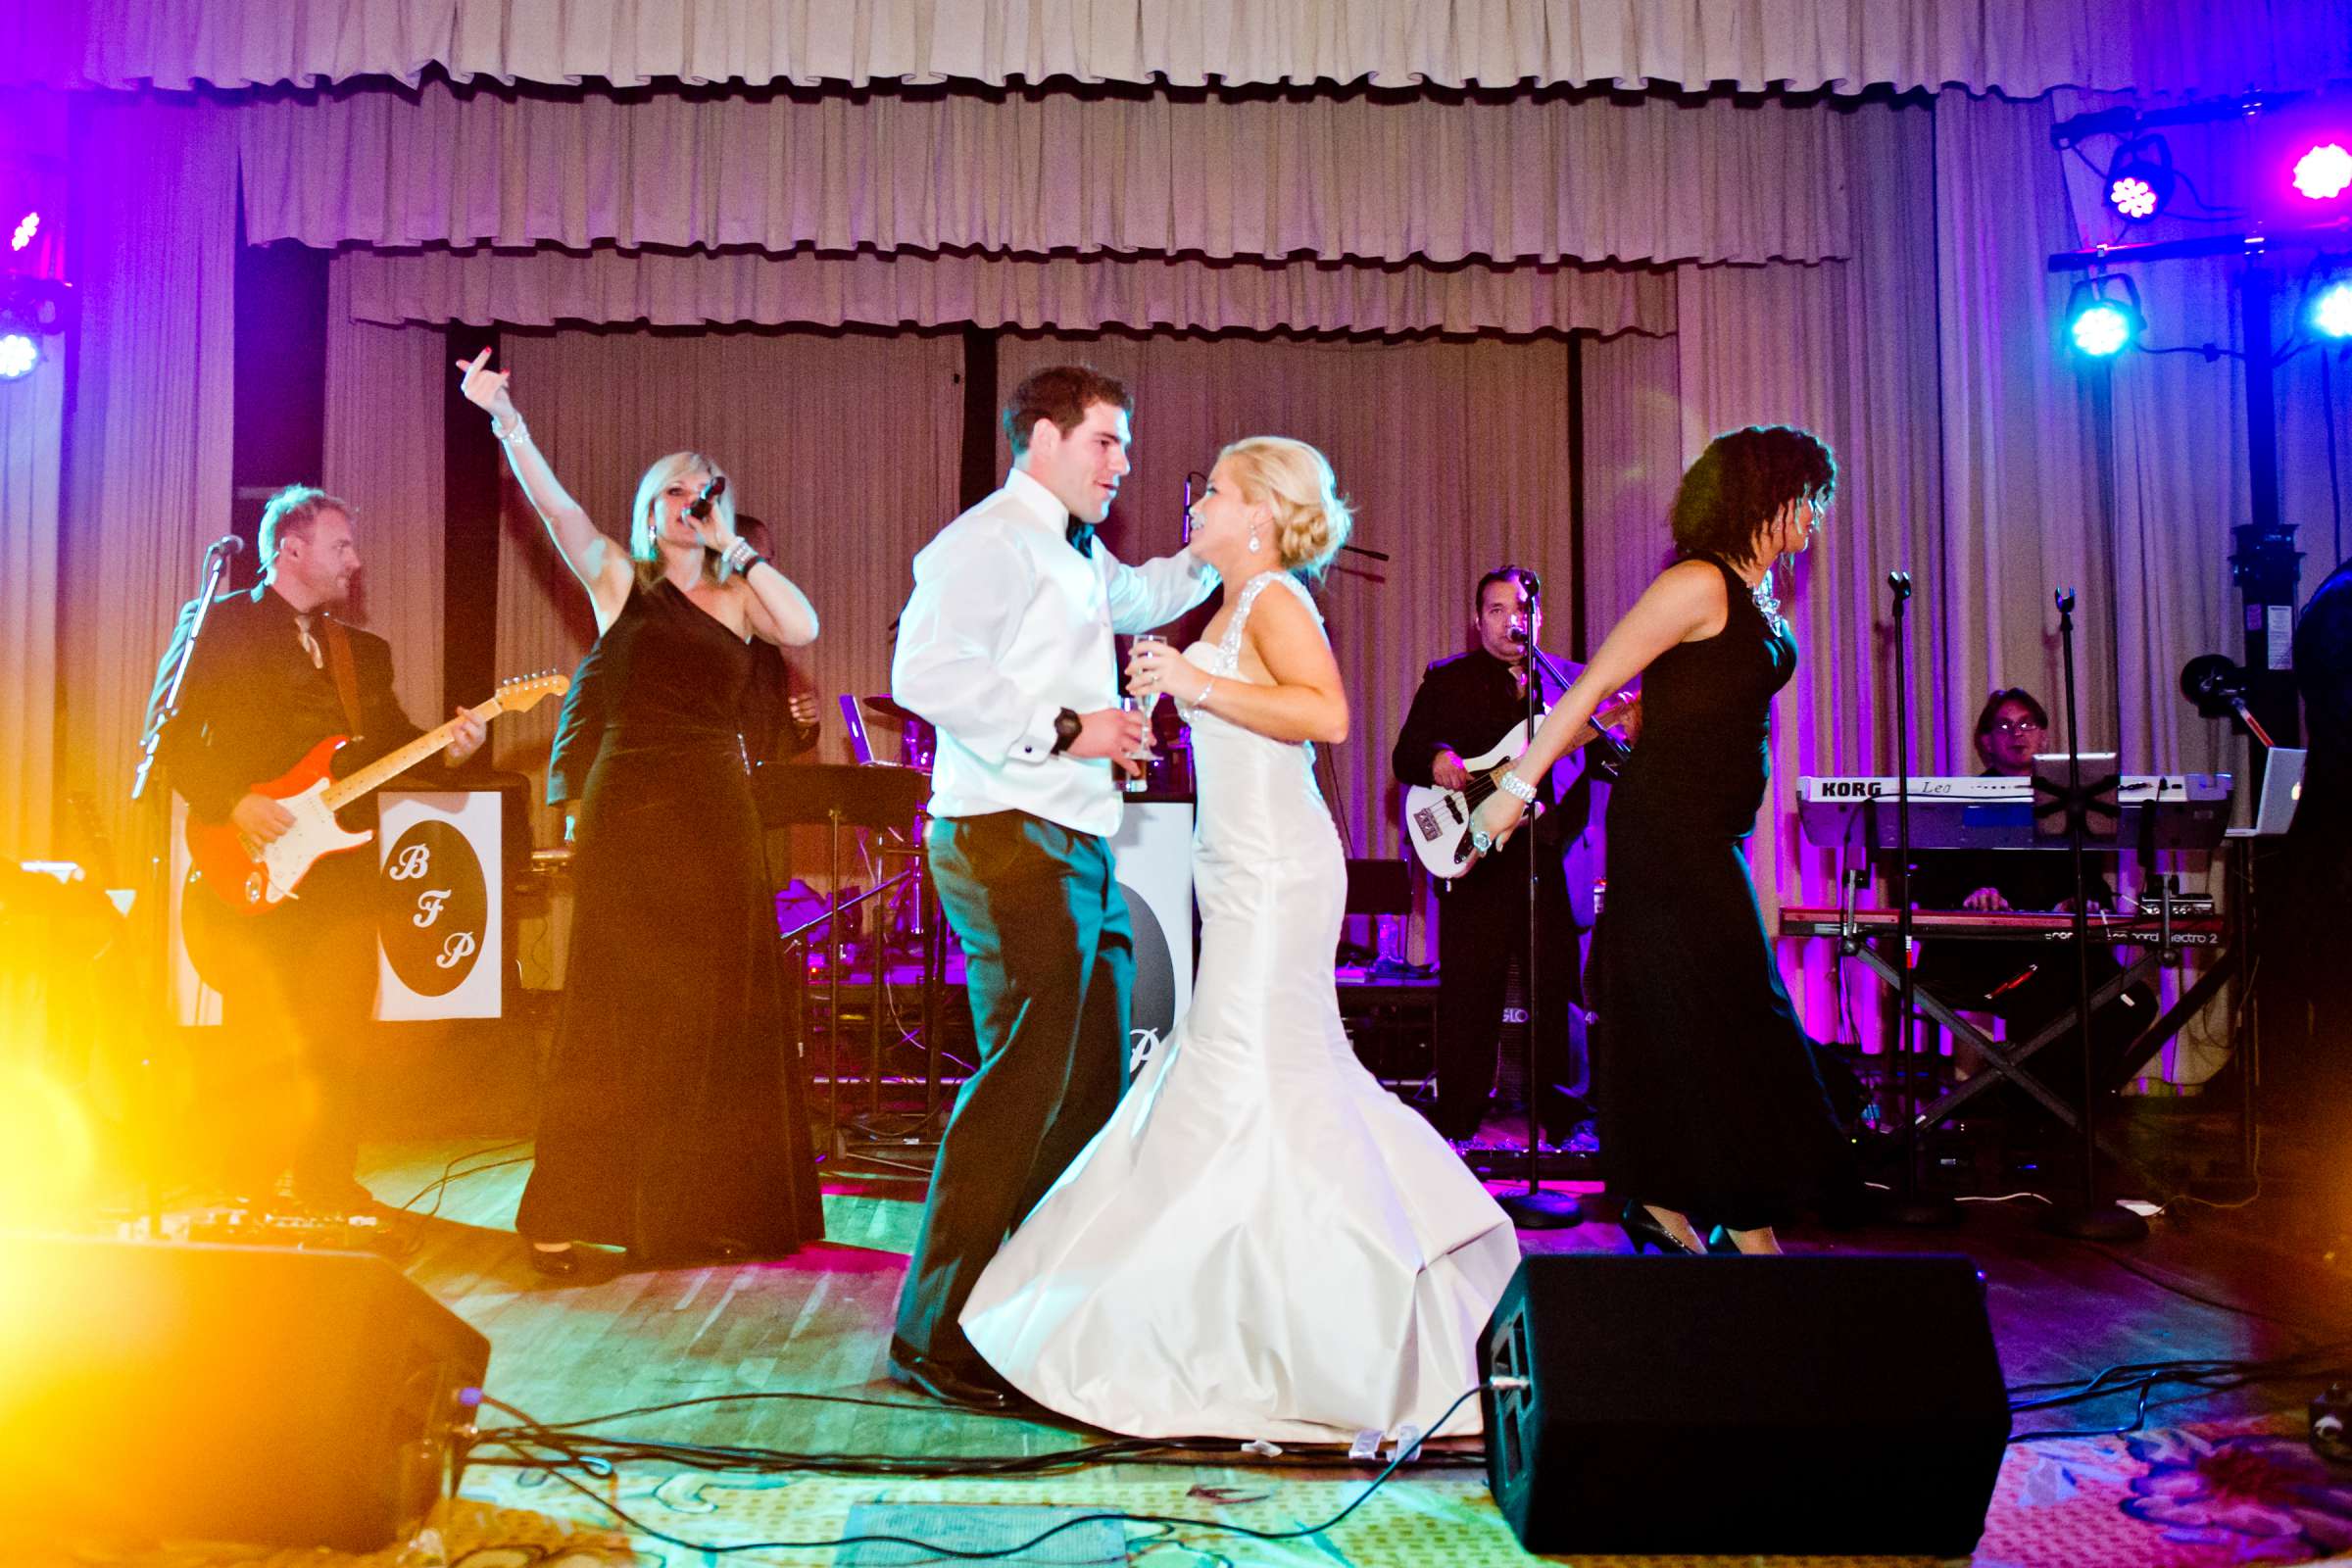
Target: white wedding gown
{"points": [[1263, 1242]]}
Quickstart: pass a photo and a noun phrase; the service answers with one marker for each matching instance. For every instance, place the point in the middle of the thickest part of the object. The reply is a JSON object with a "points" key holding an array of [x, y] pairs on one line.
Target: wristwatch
{"points": [[1066, 726]]}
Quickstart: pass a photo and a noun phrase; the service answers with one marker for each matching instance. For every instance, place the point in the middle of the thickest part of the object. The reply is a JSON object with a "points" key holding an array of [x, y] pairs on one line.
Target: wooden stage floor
{"points": [[2207, 1284]]}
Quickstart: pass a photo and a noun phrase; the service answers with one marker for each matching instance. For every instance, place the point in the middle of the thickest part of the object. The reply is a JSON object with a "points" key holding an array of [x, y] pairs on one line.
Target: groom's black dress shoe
{"points": [[974, 1389]]}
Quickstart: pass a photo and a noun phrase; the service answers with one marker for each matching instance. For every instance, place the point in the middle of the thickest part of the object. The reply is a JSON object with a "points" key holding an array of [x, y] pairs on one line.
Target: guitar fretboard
{"points": [[393, 763]]}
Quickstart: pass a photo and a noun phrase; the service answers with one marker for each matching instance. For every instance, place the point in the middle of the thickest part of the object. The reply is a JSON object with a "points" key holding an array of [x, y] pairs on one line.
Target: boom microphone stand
{"points": [[155, 919], [1536, 1209], [1907, 1204], [2091, 1217]]}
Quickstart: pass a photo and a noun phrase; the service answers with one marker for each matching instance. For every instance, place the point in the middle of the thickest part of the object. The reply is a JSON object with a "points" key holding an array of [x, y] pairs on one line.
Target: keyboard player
{"points": [[2025, 984]]}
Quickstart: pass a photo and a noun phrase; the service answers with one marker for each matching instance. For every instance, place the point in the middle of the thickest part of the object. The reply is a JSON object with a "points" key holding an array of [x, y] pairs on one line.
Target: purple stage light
{"points": [[2324, 172], [2132, 197], [2140, 179]]}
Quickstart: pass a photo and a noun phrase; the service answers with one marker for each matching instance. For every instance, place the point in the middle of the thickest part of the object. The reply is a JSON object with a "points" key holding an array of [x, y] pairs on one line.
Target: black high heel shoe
{"points": [[1642, 1228]]}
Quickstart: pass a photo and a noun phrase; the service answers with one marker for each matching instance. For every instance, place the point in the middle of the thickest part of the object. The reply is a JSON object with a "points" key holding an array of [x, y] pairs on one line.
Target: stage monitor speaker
{"points": [[1750, 1405], [248, 1394]]}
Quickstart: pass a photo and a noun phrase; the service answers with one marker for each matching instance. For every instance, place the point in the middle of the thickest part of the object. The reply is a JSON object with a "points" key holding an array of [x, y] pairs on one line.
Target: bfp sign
{"points": [[441, 911]]}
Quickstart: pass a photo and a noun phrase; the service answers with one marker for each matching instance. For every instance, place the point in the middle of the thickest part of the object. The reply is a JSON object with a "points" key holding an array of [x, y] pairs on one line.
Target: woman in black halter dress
{"points": [[672, 1123], [1708, 1100]]}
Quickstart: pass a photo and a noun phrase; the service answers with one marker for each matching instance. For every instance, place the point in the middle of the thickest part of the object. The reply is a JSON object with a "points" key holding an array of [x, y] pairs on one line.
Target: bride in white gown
{"points": [[1263, 1242]]}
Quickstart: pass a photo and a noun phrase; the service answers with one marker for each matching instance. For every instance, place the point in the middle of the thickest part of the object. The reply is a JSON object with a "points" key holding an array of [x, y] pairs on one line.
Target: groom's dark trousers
{"points": [[1049, 966]]}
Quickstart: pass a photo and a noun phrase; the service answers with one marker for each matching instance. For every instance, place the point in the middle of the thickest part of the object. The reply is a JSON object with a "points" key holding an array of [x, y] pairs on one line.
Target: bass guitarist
{"points": [[275, 674], [1464, 707]]}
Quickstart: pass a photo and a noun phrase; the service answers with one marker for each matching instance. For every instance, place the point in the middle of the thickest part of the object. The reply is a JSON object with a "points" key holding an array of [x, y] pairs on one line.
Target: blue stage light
{"points": [[2101, 330], [2331, 312], [2102, 315], [19, 354]]}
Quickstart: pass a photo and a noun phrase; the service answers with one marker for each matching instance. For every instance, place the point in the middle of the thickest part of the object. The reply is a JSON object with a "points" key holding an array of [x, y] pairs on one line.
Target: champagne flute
{"points": [[1141, 641]]}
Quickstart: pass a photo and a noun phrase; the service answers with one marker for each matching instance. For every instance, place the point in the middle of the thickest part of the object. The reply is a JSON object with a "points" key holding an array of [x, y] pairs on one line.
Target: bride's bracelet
{"points": [[1517, 788], [518, 427], [1202, 701]]}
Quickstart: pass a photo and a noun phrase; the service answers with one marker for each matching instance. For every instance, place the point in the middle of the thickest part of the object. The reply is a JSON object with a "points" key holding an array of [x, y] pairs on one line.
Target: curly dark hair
{"points": [[1062, 393], [1739, 484]]}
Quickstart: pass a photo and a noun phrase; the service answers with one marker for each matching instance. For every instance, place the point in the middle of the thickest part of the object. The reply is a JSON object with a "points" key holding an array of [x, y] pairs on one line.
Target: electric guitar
{"points": [[1437, 820], [253, 878]]}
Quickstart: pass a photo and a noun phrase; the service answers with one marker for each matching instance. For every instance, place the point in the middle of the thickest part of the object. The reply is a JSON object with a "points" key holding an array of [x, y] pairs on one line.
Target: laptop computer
{"points": [[2281, 788]]}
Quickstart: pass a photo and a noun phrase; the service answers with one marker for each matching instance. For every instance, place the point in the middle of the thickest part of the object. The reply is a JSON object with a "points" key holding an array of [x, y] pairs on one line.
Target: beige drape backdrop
{"points": [[385, 390], [31, 415], [2022, 47], [548, 285], [1347, 174], [1454, 456], [148, 436], [847, 443]]}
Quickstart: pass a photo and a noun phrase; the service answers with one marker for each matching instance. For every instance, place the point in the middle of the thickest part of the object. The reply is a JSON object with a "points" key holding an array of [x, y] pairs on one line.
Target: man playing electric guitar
{"points": [[1465, 706], [274, 674]]}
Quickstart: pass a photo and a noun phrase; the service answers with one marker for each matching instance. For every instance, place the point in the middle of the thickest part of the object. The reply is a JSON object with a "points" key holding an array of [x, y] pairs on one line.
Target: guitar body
{"points": [[1437, 820], [255, 878], [231, 879]]}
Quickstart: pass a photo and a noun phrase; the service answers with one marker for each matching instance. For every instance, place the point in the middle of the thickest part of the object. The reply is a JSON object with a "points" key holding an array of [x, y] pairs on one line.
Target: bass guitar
{"points": [[1437, 820], [253, 878]]}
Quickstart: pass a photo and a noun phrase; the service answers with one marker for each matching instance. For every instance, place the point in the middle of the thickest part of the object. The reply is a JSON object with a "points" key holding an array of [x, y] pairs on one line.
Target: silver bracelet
{"points": [[1202, 701], [739, 555], [1517, 788], [510, 431]]}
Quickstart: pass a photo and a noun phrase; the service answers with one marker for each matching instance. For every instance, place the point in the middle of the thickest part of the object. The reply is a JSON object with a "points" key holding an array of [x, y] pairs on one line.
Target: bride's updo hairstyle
{"points": [[1294, 481]]}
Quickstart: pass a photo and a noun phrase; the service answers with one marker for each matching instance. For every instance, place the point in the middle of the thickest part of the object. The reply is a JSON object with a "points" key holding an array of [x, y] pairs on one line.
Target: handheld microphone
{"points": [[699, 508]]}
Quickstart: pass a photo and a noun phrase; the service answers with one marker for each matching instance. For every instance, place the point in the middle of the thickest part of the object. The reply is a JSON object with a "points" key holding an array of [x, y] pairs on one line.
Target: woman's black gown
{"points": [[1706, 1096], [672, 1117]]}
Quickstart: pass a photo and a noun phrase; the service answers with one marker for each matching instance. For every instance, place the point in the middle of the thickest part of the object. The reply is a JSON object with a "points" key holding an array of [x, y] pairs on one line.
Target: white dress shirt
{"points": [[1007, 627]]}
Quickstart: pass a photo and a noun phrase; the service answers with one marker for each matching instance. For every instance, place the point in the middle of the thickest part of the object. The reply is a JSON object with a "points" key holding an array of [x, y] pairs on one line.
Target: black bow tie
{"points": [[1081, 536]]}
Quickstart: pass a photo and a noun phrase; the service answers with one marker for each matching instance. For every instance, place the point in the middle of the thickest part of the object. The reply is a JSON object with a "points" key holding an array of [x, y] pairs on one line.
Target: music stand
{"points": [[875, 797]]}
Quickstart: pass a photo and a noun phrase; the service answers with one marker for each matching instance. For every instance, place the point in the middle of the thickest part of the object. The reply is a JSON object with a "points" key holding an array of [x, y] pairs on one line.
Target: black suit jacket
{"points": [[1466, 704], [253, 704]]}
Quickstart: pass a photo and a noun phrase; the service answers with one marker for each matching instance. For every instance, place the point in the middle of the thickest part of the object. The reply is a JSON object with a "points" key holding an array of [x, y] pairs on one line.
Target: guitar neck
{"points": [[389, 767]]}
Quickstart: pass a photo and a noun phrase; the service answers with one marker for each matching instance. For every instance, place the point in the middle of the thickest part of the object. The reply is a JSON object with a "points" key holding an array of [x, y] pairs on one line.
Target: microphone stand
{"points": [[156, 917], [2091, 1217], [1536, 1209], [1907, 1204]]}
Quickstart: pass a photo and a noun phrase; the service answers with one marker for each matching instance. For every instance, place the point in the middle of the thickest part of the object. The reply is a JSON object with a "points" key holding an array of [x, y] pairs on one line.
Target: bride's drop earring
{"points": [[1254, 539]]}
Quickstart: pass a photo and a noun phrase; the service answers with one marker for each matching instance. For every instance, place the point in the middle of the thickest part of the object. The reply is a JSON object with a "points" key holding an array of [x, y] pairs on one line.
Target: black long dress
{"points": [[1708, 1100], [672, 1118]]}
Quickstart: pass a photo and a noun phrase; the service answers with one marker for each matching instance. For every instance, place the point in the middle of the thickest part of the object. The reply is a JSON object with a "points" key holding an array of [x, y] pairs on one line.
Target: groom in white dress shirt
{"points": [[1006, 647]]}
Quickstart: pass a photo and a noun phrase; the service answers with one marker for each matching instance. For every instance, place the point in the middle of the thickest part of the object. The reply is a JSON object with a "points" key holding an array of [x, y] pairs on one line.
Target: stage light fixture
{"points": [[25, 229], [2331, 312], [19, 352], [2324, 171], [2140, 179], [2102, 323]]}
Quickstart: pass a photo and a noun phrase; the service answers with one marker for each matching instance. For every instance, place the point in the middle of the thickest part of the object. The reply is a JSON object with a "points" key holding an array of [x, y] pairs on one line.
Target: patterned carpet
{"points": [[2223, 1493]]}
